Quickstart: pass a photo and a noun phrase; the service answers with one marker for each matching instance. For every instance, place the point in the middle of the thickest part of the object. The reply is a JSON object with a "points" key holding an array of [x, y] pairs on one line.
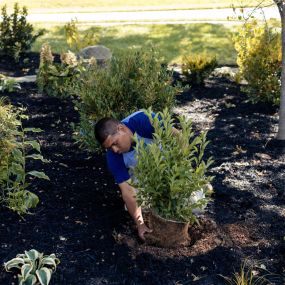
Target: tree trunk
{"points": [[281, 125]]}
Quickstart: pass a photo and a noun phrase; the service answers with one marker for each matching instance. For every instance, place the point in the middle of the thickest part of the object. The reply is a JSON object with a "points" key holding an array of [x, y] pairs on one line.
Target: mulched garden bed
{"points": [[82, 220]]}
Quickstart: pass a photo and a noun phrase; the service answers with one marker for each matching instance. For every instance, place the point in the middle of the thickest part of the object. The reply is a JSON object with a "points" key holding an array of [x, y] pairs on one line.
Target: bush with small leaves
{"points": [[8, 84], [132, 80], [259, 58], [35, 268], [197, 67], [16, 34], [170, 173]]}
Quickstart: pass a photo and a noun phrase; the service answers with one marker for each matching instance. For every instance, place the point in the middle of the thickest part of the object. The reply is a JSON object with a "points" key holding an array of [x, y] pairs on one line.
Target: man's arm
{"points": [[128, 194]]}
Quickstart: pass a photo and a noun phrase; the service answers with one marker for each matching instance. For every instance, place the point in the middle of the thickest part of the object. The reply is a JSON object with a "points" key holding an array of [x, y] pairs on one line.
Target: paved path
{"points": [[183, 16]]}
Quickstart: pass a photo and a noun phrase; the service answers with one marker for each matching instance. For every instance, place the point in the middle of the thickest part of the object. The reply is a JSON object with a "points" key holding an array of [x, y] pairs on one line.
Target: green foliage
{"points": [[259, 59], [8, 84], [197, 67], [35, 268], [16, 34], [132, 80], [58, 79], [77, 40], [15, 150], [170, 173]]}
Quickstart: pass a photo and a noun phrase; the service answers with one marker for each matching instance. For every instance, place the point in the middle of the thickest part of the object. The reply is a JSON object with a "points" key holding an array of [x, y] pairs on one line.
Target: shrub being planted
{"points": [[171, 178]]}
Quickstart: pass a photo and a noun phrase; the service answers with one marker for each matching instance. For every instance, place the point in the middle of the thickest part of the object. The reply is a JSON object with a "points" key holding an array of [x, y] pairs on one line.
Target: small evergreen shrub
{"points": [[259, 59], [132, 80], [15, 150], [16, 34], [170, 173], [57, 79], [35, 268], [197, 67]]}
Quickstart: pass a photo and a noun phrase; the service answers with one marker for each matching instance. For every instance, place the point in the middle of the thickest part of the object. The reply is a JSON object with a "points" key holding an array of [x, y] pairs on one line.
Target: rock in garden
{"points": [[99, 52]]}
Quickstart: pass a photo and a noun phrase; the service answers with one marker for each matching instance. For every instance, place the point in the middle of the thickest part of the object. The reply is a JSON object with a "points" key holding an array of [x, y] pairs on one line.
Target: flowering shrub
{"points": [[170, 173], [57, 79], [259, 59]]}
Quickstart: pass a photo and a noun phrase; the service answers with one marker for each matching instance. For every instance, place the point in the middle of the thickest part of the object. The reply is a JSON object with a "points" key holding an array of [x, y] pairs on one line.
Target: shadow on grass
{"points": [[172, 41]]}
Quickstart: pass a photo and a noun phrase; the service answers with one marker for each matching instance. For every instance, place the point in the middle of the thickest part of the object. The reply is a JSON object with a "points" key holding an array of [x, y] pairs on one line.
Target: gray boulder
{"points": [[99, 52]]}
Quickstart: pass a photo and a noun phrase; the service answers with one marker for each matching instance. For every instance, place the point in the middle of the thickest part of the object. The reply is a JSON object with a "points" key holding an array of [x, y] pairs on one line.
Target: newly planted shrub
{"points": [[259, 59], [58, 79], [35, 268], [171, 173], [132, 80], [16, 34], [15, 150], [197, 67]]}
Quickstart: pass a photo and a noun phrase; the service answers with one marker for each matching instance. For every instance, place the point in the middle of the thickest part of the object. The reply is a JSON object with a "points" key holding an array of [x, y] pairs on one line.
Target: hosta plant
{"points": [[35, 268], [171, 173]]}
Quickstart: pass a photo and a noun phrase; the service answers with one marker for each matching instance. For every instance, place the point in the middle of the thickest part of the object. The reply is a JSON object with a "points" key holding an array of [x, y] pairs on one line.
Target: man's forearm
{"points": [[133, 208], [128, 194]]}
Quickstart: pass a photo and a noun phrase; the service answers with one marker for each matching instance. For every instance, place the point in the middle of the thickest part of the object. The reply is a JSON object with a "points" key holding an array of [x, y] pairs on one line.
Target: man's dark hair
{"points": [[104, 128]]}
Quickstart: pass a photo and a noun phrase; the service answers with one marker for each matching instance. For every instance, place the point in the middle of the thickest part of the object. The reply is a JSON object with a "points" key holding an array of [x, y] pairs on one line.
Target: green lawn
{"points": [[171, 40], [107, 5]]}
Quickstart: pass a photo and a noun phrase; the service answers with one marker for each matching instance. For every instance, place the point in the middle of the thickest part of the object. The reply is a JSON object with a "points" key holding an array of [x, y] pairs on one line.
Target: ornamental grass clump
{"points": [[132, 80], [15, 150], [35, 268], [171, 174]]}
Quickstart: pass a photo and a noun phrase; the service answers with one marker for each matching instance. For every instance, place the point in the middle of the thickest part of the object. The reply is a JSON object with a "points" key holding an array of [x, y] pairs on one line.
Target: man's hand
{"points": [[142, 229]]}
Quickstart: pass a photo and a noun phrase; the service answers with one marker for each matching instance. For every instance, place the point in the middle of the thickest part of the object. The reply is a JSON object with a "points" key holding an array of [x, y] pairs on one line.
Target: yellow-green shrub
{"points": [[197, 67], [131, 80], [259, 59]]}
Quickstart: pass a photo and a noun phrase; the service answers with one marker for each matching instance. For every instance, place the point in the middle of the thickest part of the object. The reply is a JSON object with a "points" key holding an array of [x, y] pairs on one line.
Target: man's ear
{"points": [[120, 127]]}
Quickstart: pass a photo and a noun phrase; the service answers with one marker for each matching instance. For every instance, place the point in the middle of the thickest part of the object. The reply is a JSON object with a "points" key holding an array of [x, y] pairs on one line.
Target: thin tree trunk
{"points": [[281, 124]]}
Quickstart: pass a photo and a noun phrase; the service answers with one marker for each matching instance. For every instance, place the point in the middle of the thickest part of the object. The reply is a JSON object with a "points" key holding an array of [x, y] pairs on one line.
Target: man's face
{"points": [[120, 142]]}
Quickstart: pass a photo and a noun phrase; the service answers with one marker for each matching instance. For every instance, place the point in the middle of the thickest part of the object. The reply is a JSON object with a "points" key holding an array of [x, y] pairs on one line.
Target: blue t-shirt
{"points": [[119, 164]]}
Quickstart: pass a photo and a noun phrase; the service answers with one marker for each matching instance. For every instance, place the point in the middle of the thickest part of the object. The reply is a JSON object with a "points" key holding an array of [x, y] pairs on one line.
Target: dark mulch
{"points": [[81, 216]]}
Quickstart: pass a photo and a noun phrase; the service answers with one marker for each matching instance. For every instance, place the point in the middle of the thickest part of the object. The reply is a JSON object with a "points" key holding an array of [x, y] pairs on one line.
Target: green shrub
{"points": [[15, 151], [35, 268], [57, 79], [197, 67], [170, 173], [259, 59], [16, 34], [132, 80], [8, 84], [77, 40]]}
